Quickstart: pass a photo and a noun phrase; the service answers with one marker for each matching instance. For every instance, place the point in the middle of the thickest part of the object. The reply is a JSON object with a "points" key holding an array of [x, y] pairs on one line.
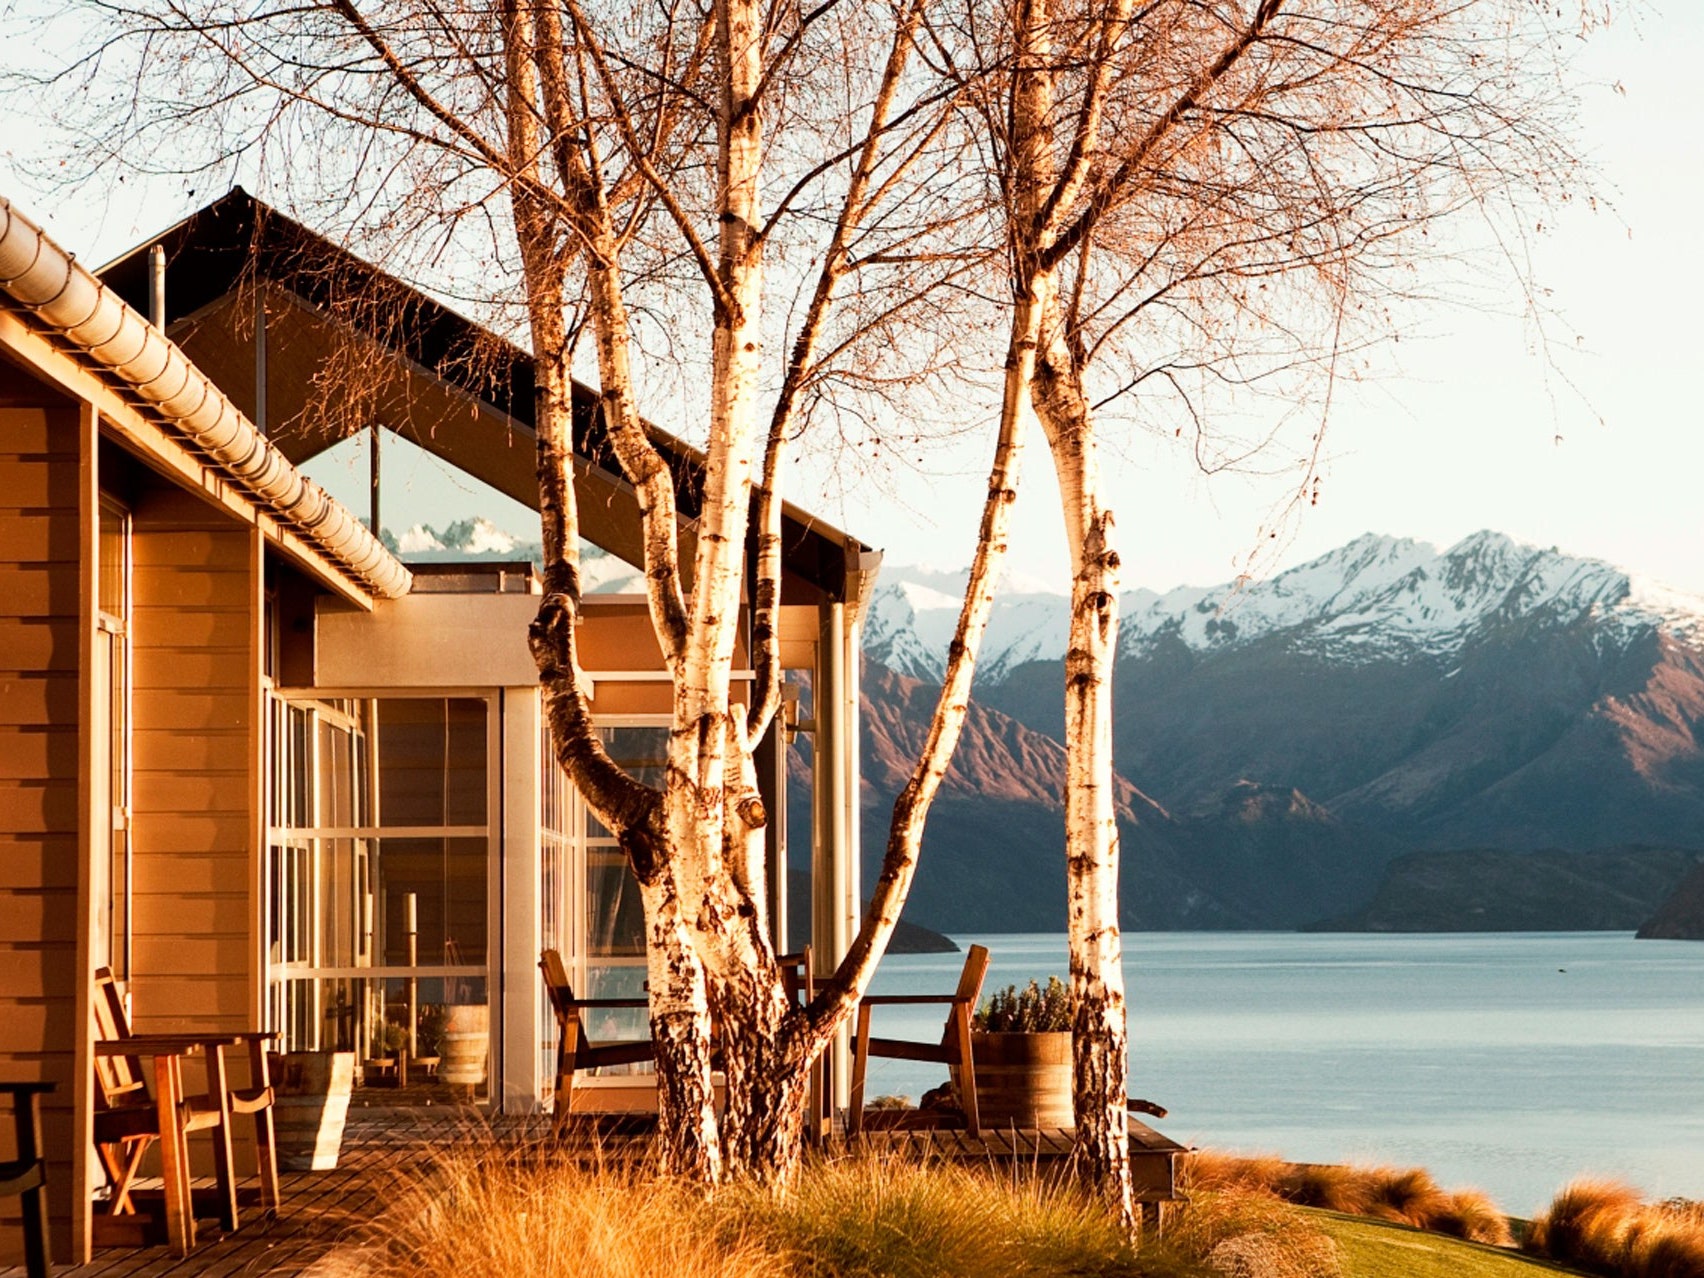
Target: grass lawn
{"points": [[1374, 1249]]}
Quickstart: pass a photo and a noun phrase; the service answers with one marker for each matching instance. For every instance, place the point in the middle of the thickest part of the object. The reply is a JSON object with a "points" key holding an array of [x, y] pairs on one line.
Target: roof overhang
{"points": [[347, 343], [61, 322]]}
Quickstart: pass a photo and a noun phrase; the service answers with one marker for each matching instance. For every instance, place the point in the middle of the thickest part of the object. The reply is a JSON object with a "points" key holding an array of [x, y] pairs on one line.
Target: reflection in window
{"points": [[379, 869]]}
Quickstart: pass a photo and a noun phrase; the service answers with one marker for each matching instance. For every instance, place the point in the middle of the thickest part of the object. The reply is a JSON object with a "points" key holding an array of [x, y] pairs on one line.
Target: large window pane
{"points": [[438, 885], [432, 764]]}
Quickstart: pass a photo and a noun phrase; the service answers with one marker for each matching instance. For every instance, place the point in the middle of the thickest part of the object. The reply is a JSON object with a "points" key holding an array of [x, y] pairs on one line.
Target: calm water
{"points": [[1510, 1062]]}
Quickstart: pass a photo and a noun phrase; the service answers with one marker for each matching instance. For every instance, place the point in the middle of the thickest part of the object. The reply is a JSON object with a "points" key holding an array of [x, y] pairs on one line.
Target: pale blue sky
{"points": [[1462, 435]]}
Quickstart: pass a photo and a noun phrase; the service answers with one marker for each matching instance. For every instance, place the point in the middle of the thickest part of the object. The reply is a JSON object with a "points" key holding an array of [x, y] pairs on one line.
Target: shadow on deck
{"points": [[386, 1150]]}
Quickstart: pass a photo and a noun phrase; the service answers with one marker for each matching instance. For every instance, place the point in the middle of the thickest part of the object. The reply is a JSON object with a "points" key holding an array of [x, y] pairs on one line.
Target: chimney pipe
{"points": [[157, 286]]}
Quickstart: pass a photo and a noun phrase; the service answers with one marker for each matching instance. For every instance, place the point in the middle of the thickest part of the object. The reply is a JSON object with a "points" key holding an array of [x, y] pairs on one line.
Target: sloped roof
{"points": [[56, 299], [455, 388]]}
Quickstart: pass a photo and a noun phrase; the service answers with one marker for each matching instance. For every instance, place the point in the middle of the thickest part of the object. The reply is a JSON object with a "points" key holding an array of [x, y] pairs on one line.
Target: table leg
{"points": [[174, 1154]]}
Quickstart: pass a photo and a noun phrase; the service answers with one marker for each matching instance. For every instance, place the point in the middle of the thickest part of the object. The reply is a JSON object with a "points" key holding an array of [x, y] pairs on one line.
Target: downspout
{"points": [[45, 279]]}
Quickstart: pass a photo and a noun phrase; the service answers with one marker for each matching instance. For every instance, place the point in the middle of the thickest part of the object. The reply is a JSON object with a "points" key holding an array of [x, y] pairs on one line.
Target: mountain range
{"points": [[1293, 738], [1390, 735]]}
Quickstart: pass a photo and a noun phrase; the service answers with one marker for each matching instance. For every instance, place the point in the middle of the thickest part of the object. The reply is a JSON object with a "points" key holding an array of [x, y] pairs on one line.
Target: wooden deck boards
{"points": [[386, 1148]]}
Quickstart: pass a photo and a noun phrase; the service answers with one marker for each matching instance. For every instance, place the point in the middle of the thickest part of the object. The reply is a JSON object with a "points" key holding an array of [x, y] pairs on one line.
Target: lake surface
{"points": [[1512, 1062]]}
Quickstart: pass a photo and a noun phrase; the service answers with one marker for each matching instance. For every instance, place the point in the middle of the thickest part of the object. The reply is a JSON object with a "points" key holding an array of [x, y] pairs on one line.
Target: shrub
{"points": [[1241, 1233], [1331, 1186], [1031, 1010], [1404, 1195], [1608, 1228], [1408, 1196], [1471, 1214]]}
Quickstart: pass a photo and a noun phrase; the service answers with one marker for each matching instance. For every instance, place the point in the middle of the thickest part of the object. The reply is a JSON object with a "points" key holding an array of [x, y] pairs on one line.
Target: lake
{"points": [[1512, 1062]]}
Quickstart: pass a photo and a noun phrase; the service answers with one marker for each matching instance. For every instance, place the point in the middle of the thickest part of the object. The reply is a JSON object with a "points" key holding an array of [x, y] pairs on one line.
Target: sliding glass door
{"points": [[380, 870]]}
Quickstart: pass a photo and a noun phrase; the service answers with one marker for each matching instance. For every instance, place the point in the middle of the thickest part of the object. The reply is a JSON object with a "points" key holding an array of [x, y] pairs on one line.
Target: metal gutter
{"points": [[46, 280]]}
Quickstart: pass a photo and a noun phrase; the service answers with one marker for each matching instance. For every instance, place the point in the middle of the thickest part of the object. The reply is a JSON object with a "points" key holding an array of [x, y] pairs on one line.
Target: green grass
{"points": [[1376, 1249]]}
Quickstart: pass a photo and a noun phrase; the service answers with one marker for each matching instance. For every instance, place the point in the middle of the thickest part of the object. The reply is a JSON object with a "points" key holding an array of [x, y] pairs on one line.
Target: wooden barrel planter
{"points": [[466, 1045], [1023, 1080], [311, 1102]]}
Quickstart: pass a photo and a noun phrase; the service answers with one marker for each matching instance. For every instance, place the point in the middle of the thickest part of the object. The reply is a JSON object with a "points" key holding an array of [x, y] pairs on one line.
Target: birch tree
{"points": [[664, 154], [1215, 193]]}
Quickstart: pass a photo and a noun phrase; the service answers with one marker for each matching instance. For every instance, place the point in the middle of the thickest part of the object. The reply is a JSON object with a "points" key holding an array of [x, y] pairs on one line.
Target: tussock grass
{"points": [[1607, 1227], [480, 1216], [1242, 1232], [1406, 1196], [485, 1211], [906, 1218]]}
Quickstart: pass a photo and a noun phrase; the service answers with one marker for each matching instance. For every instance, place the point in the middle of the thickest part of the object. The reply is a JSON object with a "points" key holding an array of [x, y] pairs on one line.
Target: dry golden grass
{"points": [[1405, 1195], [1471, 1214], [1244, 1232], [485, 1216], [1608, 1228], [488, 1211]]}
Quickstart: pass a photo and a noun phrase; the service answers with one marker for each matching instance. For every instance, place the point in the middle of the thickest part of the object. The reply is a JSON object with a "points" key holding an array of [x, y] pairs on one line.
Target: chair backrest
{"points": [[970, 984], [798, 981], [557, 987], [118, 1079]]}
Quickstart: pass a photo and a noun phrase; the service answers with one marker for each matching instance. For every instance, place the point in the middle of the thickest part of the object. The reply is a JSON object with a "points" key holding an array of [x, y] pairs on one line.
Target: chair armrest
{"points": [[27, 1089], [257, 1036], [901, 1000]]}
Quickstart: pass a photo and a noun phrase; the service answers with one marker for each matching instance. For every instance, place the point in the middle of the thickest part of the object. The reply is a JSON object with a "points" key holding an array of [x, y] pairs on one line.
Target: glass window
{"points": [[432, 764], [378, 886], [112, 679]]}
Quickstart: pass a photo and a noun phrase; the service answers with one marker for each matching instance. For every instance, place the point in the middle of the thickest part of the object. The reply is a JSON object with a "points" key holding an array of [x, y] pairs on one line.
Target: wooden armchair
{"points": [[574, 1048], [953, 1049], [26, 1175], [129, 1118]]}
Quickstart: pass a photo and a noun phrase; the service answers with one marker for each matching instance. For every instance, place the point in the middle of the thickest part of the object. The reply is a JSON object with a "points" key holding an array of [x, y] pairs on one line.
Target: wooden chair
{"points": [[575, 1050], [953, 1049], [128, 1118], [26, 1175]]}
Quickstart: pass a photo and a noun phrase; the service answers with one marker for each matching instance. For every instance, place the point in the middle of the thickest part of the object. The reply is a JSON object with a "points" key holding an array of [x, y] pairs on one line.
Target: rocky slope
{"points": [[1680, 915], [993, 851]]}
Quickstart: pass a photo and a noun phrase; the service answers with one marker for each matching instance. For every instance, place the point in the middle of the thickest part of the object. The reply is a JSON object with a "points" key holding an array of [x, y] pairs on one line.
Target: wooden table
{"points": [[168, 1051]]}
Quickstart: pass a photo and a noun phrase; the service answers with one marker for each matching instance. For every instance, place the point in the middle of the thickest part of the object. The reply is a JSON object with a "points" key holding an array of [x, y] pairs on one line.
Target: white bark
{"points": [[1099, 1029]]}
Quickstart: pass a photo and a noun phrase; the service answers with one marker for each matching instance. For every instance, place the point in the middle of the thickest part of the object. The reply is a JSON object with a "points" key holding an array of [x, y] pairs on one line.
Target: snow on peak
{"points": [[1386, 596], [914, 615], [1374, 597], [475, 539]]}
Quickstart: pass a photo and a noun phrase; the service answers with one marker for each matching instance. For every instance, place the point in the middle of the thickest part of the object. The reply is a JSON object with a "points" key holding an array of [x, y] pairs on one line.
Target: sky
{"points": [[1582, 433]]}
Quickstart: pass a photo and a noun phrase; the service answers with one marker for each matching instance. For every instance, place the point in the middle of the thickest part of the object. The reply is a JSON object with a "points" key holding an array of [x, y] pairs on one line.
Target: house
{"points": [[248, 758]]}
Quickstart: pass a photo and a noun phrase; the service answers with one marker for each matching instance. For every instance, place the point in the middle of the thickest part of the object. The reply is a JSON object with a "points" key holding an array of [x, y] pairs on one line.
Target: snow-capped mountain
{"points": [[915, 612], [1295, 734], [1373, 599], [476, 539]]}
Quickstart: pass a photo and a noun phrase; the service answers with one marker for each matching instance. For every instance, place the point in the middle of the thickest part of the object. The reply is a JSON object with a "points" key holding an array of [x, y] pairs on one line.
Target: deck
{"points": [[383, 1149]]}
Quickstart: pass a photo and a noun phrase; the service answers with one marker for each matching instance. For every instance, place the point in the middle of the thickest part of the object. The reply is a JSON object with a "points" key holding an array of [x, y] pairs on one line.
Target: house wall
{"points": [[196, 766], [43, 478]]}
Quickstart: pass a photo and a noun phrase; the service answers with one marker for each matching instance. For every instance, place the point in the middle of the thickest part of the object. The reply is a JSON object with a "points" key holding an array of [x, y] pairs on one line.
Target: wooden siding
{"points": [[194, 716], [41, 480]]}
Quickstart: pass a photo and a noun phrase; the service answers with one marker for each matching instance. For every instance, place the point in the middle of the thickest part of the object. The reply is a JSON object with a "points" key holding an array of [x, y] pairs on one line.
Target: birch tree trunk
{"points": [[1100, 1052]]}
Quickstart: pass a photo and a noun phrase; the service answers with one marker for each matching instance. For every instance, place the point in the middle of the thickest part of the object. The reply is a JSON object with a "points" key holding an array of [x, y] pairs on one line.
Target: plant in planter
{"points": [[429, 1035], [1020, 1040], [1031, 1010], [389, 1038]]}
